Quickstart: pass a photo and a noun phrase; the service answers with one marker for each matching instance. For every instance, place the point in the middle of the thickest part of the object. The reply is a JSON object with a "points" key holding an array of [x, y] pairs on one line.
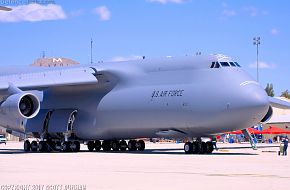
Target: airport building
{"points": [[280, 118]]}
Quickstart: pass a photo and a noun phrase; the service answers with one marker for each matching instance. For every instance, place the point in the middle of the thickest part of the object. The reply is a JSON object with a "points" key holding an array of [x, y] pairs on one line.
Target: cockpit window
{"points": [[232, 64], [217, 65], [237, 64], [224, 64]]}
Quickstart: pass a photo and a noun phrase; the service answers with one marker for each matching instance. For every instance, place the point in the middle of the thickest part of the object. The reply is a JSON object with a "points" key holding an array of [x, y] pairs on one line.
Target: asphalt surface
{"points": [[160, 166]]}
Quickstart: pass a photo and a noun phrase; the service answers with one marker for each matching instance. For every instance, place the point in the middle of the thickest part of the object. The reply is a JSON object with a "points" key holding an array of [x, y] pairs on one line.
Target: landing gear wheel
{"points": [[42, 146], [115, 145], [123, 145], [34, 146], [203, 148], [91, 146], [50, 146], [188, 148], [141, 145], [98, 145], [132, 145], [27, 146], [209, 146], [66, 146], [195, 148], [106, 145], [57, 146], [76, 146]]}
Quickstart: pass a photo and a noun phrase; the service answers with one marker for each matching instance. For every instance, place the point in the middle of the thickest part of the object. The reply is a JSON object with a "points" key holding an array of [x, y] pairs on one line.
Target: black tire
{"points": [[27, 146], [132, 145], [209, 146], [91, 146], [66, 146], [203, 148], [106, 145], [77, 146], [98, 145], [123, 145], [57, 146], [141, 145], [42, 146], [50, 146], [34, 146], [195, 148], [115, 145], [188, 148]]}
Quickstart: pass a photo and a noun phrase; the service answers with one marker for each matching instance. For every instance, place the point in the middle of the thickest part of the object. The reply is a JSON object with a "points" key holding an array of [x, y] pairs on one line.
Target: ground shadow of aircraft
{"points": [[172, 151]]}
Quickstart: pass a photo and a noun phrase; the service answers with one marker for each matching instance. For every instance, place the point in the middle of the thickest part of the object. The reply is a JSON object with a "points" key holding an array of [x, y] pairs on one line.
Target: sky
{"points": [[130, 29]]}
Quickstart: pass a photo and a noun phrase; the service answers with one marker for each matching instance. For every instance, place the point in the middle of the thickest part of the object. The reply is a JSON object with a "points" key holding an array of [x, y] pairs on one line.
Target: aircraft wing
{"points": [[279, 103], [2, 8], [51, 78]]}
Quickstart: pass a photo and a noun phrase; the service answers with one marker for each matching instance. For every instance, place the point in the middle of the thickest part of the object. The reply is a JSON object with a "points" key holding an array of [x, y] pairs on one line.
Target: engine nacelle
{"points": [[21, 105]]}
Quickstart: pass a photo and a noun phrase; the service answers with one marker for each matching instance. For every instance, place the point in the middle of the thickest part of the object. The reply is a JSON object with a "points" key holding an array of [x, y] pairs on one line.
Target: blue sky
{"points": [[128, 29]]}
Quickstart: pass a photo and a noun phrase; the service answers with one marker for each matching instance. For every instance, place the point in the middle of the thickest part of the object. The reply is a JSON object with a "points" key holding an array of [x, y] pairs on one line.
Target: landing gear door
{"points": [[61, 121], [35, 125]]}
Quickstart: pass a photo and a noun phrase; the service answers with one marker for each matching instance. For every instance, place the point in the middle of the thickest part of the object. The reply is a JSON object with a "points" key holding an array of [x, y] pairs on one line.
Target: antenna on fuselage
{"points": [[91, 50]]}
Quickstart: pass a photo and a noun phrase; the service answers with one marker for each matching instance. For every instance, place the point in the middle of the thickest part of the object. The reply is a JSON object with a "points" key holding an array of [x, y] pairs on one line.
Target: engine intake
{"points": [[21, 105]]}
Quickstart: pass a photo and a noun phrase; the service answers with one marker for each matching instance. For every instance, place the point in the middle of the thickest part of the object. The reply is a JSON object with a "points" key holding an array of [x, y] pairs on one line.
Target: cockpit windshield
{"points": [[232, 64], [237, 64], [224, 64]]}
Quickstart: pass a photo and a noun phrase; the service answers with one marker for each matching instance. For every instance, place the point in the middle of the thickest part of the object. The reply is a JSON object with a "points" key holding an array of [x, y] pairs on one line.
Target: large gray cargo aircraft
{"points": [[109, 105]]}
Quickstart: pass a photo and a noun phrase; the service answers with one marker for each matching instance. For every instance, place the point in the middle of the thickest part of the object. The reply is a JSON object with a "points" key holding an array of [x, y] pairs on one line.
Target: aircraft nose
{"points": [[255, 100]]}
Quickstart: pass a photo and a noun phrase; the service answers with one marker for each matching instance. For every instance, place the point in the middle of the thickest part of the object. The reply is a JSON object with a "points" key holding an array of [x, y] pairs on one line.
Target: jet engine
{"points": [[21, 105], [268, 115]]}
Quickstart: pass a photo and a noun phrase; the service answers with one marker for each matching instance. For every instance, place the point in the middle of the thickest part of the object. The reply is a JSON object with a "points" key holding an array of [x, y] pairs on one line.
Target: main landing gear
{"points": [[74, 145], [115, 145], [198, 147], [48, 146]]}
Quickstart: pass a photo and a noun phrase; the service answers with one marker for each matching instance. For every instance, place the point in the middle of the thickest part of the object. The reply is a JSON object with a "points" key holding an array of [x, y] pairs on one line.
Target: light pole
{"points": [[91, 50], [257, 43]]}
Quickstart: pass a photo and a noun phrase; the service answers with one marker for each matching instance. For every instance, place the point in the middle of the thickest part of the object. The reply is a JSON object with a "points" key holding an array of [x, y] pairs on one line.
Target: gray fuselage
{"points": [[172, 97]]}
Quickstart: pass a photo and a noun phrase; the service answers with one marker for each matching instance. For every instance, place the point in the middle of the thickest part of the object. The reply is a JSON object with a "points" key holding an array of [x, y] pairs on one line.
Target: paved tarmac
{"points": [[161, 166]]}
